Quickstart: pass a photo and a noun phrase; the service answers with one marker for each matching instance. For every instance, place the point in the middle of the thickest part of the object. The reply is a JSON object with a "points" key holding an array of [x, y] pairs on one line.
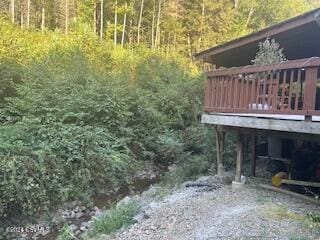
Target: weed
{"points": [[115, 219]]}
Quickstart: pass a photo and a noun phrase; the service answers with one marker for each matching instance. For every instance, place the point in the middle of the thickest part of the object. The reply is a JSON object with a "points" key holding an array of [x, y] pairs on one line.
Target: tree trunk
{"points": [[95, 17], [157, 40], [236, 3], [115, 22], [12, 8], [140, 20], [124, 25], [190, 47], [21, 18], [249, 17], [28, 13], [101, 19], [153, 20], [168, 44], [130, 33], [66, 17], [202, 25], [43, 19]]}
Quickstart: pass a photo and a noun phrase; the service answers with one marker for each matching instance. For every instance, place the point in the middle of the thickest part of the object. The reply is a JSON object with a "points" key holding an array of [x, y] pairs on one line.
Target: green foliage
{"points": [[115, 219], [314, 217], [269, 52], [298, 237], [66, 233], [79, 116], [48, 164]]}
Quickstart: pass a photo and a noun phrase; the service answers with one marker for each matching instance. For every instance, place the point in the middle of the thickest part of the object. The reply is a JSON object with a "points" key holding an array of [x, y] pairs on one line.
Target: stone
{"points": [[237, 185], [72, 214], [124, 201], [79, 215], [150, 193], [73, 227]]}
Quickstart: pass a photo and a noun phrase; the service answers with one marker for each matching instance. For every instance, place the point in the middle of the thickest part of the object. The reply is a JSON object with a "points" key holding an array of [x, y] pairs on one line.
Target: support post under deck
{"points": [[239, 157], [220, 140], [253, 155]]}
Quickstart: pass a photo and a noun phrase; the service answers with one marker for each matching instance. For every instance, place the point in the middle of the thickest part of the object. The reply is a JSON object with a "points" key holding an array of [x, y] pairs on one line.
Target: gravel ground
{"points": [[196, 213]]}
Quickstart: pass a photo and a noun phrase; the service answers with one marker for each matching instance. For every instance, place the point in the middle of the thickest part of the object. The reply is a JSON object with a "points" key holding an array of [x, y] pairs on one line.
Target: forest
{"points": [[93, 91]]}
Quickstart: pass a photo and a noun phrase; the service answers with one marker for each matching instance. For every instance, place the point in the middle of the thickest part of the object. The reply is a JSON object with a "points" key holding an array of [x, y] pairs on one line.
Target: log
{"points": [[293, 194], [300, 183]]}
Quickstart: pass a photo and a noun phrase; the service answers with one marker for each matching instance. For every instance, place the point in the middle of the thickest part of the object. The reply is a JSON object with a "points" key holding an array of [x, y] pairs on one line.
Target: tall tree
{"points": [[124, 24], [157, 39], [66, 16], [153, 22], [140, 20], [95, 17], [28, 13], [43, 17], [115, 22], [101, 19], [12, 11]]}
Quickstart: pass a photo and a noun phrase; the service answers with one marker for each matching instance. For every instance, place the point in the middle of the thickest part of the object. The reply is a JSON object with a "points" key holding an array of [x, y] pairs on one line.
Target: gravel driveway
{"points": [[200, 214]]}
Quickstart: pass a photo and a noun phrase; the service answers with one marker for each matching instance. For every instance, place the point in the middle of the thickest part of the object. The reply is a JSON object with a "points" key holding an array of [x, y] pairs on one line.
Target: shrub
{"points": [[115, 219], [44, 165], [79, 117]]}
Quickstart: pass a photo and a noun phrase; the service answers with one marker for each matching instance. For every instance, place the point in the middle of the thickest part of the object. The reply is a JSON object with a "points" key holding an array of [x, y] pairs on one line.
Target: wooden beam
{"points": [[263, 124], [253, 155], [284, 135], [220, 140], [239, 157], [293, 194], [300, 183], [300, 63]]}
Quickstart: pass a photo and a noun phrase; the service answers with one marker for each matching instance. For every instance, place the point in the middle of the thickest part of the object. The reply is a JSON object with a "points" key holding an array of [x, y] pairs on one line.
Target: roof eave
{"points": [[312, 16]]}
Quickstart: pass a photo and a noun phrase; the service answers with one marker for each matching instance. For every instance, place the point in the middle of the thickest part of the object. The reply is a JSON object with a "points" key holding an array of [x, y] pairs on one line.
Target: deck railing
{"points": [[285, 88]]}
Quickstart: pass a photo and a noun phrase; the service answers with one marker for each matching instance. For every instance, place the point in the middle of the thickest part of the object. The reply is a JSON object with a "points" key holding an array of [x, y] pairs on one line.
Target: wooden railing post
{"points": [[310, 90]]}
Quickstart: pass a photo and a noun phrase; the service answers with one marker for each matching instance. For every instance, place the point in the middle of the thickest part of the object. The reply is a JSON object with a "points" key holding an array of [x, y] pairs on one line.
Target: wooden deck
{"points": [[288, 88]]}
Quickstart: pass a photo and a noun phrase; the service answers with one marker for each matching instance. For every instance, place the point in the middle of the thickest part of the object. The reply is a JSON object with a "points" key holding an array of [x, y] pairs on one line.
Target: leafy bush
{"points": [[269, 52], [78, 115], [41, 165]]}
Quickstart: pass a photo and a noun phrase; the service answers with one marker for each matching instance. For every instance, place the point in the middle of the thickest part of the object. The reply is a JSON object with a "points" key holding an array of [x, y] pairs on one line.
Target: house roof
{"points": [[298, 36]]}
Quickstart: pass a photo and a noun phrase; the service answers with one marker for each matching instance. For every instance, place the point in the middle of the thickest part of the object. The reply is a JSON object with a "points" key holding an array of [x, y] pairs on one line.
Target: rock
{"points": [[150, 193], [84, 225], [172, 167], [124, 201], [73, 227], [79, 215], [95, 208], [140, 217], [99, 213], [205, 179], [72, 214]]}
